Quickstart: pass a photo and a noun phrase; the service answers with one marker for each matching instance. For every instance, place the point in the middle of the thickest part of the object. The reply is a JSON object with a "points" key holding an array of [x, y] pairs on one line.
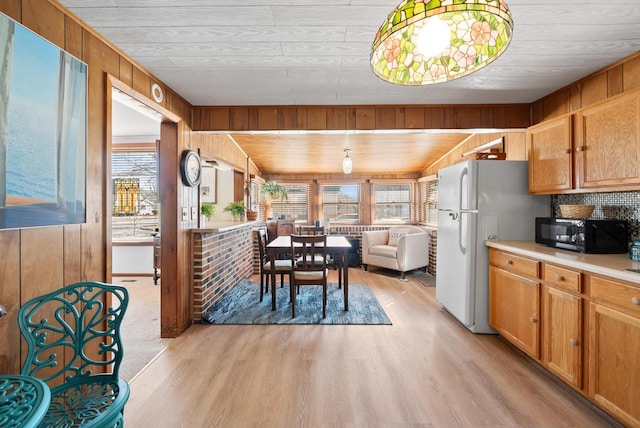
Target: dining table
{"points": [[336, 244], [24, 401]]}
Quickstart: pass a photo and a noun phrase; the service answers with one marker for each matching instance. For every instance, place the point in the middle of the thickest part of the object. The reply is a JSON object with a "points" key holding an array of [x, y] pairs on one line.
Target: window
{"points": [[428, 209], [295, 207], [254, 190], [340, 202], [392, 203], [134, 193]]}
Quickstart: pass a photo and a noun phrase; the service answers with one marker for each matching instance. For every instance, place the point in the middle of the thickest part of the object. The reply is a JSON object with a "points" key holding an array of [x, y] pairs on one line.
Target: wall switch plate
{"points": [[185, 214], [194, 213]]}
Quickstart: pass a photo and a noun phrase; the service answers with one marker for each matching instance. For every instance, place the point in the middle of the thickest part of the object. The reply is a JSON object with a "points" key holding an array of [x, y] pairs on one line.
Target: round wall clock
{"points": [[190, 168]]}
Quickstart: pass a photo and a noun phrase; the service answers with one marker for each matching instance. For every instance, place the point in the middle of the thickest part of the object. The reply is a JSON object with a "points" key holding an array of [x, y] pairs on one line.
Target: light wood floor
{"points": [[425, 370]]}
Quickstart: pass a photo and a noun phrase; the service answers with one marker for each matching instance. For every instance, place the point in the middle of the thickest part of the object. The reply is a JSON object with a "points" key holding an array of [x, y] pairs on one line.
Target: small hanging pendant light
{"points": [[347, 165]]}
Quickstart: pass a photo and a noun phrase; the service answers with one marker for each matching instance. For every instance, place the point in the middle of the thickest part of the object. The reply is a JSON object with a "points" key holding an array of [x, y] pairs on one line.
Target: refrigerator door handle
{"points": [[463, 173], [461, 246]]}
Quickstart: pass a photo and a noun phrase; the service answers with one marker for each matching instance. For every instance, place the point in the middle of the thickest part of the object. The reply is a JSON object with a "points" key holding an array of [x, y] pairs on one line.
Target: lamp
{"points": [[347, 165], [425, 42]]}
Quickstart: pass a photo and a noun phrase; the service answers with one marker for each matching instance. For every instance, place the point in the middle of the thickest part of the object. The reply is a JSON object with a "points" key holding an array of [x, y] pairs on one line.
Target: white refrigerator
{"points": [[479, 200]]}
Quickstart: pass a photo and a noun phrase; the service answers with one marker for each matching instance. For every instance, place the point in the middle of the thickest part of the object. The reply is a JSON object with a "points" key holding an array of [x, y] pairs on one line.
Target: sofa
{"points": [[401, 248]]}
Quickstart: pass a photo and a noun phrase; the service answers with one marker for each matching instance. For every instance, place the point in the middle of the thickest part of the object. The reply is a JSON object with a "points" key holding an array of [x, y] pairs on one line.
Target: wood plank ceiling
{"points": [[316, 52]]}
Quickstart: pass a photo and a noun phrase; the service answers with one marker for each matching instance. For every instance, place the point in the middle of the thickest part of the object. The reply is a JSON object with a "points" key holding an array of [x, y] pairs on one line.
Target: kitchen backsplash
{"points": [[614, 205]]}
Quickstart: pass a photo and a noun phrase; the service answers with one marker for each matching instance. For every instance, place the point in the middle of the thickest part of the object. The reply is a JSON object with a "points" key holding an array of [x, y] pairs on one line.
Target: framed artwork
{"points": [[43, 131]]}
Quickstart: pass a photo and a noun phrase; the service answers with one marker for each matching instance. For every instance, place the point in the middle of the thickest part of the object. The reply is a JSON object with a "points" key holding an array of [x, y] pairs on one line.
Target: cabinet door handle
{"points": [[533, 319], [3, 311], [559, 277], [567, 151], [580, 149], [573, 342], [509, 262], [635, 300]]}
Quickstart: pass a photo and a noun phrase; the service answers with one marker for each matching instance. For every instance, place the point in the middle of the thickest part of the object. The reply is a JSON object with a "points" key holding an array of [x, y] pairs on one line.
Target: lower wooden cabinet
{"points": [[514, 306], [588, 335], [614, 349], [562, 339]]}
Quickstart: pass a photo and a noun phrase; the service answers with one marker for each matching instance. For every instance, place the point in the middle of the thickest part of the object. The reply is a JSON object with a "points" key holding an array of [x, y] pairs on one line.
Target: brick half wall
{"points": [[221, 260]]}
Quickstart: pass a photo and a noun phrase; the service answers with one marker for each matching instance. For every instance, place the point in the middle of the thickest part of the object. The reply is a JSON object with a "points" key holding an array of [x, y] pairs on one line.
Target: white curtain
{"points": [[6, 53], [71, 134]]}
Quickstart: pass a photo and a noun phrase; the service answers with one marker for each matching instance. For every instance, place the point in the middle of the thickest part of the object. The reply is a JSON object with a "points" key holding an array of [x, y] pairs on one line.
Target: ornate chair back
{"points": [[74, 344]]}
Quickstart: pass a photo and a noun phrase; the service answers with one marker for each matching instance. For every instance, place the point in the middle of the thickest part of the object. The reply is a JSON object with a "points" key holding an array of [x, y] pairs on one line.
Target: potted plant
{"points": [[272, 190], [208, 210], [252, 215], [236, 209]]}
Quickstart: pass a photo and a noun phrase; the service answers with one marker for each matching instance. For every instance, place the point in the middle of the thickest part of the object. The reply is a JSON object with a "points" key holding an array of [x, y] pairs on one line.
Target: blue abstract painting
{"points": [[43, 115]]}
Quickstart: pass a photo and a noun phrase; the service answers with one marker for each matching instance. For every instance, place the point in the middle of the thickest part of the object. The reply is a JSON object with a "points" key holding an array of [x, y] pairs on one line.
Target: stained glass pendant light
{"points": [[431, 41]]}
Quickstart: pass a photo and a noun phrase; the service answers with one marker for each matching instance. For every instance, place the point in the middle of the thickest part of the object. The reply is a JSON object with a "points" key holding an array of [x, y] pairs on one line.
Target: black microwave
{"points": [[584, 235]]}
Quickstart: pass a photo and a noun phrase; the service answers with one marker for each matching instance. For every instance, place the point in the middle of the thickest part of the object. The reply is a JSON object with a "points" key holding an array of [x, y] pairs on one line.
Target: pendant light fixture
{"points": [[433, 41], [347, 165]]}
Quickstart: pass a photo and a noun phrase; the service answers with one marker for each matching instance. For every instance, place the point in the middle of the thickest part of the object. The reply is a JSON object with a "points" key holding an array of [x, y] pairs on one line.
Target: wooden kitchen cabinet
{"points": [[550, 146], [597, 148], [607, 149], [614, 347], [514, 300], [562, 350], [588, 336]]}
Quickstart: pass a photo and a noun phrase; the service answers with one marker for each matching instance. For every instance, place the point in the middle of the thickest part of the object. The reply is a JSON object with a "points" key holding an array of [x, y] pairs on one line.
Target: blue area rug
{"points": [[242, 306]]}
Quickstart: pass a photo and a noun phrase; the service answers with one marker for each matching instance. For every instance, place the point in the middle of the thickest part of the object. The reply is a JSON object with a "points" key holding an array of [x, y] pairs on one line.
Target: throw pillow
{"points": [[395, 234]]}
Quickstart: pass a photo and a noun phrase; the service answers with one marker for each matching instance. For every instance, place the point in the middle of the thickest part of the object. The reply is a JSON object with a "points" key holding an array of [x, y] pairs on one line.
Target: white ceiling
{"points": [[316, 52]]}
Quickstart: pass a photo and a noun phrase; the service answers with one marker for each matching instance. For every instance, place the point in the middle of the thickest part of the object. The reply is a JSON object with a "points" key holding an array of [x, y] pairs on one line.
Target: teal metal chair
{"points": [[74, 344]]}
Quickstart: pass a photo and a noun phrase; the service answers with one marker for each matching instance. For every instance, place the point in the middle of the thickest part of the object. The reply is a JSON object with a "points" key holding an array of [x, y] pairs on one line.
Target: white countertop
{"points": [[224, 226], [612, 265]]}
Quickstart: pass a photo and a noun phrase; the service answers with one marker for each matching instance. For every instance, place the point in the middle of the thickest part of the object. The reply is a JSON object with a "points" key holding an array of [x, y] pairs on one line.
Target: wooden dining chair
{"points": [[282, 267], [286, 227], [311, 251], [310, 230], [333, 260]]}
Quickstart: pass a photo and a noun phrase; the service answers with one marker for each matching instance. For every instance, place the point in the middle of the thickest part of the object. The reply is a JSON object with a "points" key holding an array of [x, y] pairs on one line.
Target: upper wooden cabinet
{"points": [[608, 144], [550, 147], [595, 149]]}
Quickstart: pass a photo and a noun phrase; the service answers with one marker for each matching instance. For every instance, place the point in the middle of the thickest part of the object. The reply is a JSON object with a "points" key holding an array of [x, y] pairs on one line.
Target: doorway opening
{"points": [[135, 226]]}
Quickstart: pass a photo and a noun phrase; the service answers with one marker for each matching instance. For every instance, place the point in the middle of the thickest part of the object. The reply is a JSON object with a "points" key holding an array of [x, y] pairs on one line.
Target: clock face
{"points": [[190, 168]]}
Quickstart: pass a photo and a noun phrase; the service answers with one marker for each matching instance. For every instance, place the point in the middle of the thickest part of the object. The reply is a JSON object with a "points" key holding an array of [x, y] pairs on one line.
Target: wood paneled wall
{"points": [[514, 147], [38, 260], [213, 118], [619, 77]]}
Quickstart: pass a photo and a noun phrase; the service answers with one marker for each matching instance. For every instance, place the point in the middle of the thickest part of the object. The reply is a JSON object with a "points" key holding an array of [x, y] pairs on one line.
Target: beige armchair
{"points": [[400, 248]]}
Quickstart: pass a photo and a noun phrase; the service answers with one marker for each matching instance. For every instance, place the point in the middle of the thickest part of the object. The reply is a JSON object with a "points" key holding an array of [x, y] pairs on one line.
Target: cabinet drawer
{"points": [[623, 297], [515, 264], [566, 279]]}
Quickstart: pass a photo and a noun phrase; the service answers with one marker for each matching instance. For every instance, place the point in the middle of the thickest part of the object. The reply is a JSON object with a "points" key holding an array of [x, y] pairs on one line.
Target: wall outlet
{"points": [[491, 228], [194, 213], [185, 214]]}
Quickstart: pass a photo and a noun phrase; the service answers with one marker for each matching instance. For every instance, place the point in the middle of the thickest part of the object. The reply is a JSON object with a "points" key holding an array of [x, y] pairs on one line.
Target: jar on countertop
{"points": [[634, 251]]}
